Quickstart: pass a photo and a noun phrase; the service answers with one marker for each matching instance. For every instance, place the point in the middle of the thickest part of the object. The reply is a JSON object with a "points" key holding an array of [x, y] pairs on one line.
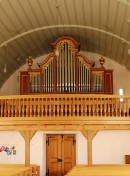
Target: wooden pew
{"points": [[35, 169], [100, 170], [15, 171]]}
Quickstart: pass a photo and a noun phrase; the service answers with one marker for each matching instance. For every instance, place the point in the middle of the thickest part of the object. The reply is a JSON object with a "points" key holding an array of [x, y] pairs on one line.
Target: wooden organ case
{"points": [[66, 70]]}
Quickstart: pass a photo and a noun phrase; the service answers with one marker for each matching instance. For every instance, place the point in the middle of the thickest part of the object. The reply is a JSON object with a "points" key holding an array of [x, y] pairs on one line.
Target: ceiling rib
{"points": [[68, 16], [126, 2], [121, 30], [85, 23], [39, 24], [107, 20], [99, 33], [91, 12], [22, 25], [124, 47], [52, 16], [46, 22], [34, 14], [60, 26], [30, 23], [75, 14], [115, 19]]}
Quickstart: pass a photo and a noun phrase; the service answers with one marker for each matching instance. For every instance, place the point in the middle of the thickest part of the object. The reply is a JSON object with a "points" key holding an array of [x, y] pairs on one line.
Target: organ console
{"points": [[66, 70]]}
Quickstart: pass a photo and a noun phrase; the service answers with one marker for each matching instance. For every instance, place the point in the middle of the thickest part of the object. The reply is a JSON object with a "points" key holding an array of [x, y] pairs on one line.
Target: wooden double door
{"points": [[60, 153]]}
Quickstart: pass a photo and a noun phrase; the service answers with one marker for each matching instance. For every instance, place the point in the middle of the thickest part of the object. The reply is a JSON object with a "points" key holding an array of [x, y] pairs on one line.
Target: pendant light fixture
{"points": [[5, 67], [57, 8]]}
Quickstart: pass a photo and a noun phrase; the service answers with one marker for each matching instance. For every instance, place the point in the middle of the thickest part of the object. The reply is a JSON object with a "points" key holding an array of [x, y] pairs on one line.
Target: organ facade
{"points": [[66, 70]]}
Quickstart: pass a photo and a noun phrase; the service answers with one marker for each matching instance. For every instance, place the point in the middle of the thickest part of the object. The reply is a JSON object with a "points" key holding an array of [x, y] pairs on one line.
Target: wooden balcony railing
{"points": [[56, 105]]}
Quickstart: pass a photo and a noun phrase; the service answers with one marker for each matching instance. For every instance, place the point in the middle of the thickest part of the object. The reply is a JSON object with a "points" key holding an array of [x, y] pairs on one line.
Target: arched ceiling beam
{"points": [[126, 2], [61, 26]]}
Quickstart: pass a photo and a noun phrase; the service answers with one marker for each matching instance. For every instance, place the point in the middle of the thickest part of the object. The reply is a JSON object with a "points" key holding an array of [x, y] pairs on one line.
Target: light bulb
{"points": [[5, 69], [129, 51]]}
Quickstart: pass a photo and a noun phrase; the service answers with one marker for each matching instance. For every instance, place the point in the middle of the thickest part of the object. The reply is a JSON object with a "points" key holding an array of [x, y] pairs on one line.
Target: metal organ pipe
{"points": [[66, 68], [74, 81], [66, 72], [70, 51], [47, 77], [66, 51], [83, 76]]}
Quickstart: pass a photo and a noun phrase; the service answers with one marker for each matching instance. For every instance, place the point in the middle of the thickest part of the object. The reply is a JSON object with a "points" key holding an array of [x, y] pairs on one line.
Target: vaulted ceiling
{"points": [[28, 27]]}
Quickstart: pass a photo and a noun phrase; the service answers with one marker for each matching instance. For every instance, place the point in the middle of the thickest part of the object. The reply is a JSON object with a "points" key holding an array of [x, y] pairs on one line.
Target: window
{"points": [[121, 92]]}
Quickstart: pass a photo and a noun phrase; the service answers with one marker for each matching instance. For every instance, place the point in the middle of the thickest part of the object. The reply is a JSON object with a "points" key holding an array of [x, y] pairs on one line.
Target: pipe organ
{"points": [[66, 70]]}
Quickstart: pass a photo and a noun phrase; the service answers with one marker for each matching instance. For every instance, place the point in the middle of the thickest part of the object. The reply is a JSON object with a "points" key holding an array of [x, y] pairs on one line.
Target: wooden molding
{"points": [[89, 135], [27, 135]]}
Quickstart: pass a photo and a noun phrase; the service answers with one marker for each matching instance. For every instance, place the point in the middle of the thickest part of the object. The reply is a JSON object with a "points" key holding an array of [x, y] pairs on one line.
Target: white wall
{"points": [[37, 148], [9, 139], [11, 87], [109, 147]]}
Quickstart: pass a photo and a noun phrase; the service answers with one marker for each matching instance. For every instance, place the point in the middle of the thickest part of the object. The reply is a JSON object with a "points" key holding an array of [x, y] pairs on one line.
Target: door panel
{"points": [[60, 151], [68, 152], [53, 153]]}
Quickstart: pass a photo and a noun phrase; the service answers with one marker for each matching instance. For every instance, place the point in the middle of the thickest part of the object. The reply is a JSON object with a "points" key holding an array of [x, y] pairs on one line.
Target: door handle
{"points": [[59, 160]]}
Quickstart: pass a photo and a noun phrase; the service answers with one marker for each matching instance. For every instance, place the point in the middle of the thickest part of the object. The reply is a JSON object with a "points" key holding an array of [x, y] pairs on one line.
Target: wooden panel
{"points": [[127, 159], [53, 150], [24, 82], [108, 77], [68, 153]]}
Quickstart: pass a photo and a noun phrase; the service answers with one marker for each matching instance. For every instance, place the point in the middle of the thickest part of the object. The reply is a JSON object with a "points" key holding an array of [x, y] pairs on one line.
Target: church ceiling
{"points": [[28, 27]]}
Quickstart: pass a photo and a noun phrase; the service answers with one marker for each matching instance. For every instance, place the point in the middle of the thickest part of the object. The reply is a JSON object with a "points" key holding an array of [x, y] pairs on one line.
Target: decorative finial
{"points": [[30, 62], [102, 61]]}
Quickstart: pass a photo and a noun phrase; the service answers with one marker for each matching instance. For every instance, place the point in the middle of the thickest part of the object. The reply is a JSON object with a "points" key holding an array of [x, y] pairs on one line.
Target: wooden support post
{"points": [[89, 135], [27, 135]]}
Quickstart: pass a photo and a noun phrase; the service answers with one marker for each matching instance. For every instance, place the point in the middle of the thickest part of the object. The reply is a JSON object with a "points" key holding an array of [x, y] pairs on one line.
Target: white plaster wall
{"points": [[10, 138], [109, 147], [11, 86]]}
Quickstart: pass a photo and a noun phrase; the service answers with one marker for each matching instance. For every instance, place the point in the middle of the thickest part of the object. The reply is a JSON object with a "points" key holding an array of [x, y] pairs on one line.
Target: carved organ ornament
{"points": [[66, 70]]}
